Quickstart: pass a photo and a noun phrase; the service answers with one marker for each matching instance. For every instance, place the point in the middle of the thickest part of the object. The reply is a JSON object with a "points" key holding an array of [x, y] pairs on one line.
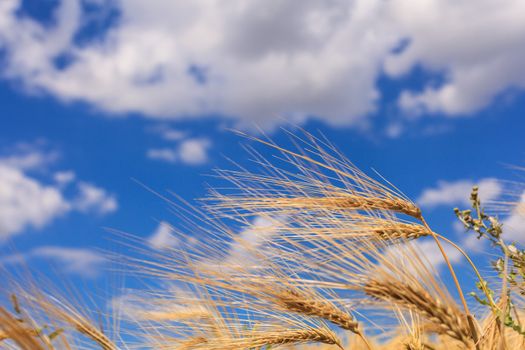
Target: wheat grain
{"points": [[396, 231]]}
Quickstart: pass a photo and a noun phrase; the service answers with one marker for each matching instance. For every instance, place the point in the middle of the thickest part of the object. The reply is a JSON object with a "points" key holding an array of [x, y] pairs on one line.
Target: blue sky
{"points": [[97, 97]]}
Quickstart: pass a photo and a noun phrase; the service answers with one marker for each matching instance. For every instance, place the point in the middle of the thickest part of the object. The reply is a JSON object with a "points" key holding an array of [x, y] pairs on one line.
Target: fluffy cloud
{"points": [[64, 178], [72, 260], [444, 36], [168, 133], [245, 248], [25, 202], [514, 223], [84, 262], [242, 250], [431, 255], [192, 151], [94, 199], [29, 159], [258, 61], [168, 155], [28, 202], [458, 192], [163, 238]]}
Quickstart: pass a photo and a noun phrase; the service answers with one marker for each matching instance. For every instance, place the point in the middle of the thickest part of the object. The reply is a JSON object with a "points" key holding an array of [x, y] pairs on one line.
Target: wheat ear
{"points": [[343, 202], [447, 319], [296, 301], [80, 323], [264, 339], [402, 231], [285, 337], [13, 329], [192, 343]]}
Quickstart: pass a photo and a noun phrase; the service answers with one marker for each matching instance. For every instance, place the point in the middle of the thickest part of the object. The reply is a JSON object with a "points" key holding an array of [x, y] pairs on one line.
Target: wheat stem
{"points": [[454, 277]]}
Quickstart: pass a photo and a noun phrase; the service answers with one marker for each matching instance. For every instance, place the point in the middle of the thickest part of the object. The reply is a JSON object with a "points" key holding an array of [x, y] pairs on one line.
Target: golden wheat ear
{"points": [[296, 301], [310, 304], [446, 319], [53, 322], [13, 329], [274, 338], [76, 321]]}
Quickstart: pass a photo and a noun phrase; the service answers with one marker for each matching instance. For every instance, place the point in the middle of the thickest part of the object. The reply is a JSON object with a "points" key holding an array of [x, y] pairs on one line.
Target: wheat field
{"points": [[333, 263]]}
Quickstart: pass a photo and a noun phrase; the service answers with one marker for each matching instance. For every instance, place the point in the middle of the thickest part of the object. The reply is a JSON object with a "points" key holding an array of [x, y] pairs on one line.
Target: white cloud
{"points": [[458, 192], [29, 156], [246, 247], [260, 61], [430, 255], [168, 155], [163, 238], [468, 240], [192, 151], [25, 202], [79, 261], [94, 199], [477, 45], [250, 241], [394, 130], [514, 223], [472, 243], [64, 178], [72, 260], [173, 135], [168, 133], [433, 255], [29, 160], [29, 202]]}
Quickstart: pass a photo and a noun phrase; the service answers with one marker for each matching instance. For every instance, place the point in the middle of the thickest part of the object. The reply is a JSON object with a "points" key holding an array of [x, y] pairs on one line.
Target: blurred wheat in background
{"points": [[329, 258]]}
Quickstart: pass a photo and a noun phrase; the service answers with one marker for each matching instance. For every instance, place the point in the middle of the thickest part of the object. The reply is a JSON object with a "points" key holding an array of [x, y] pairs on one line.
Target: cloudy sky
{"points": [[100, 100]]}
